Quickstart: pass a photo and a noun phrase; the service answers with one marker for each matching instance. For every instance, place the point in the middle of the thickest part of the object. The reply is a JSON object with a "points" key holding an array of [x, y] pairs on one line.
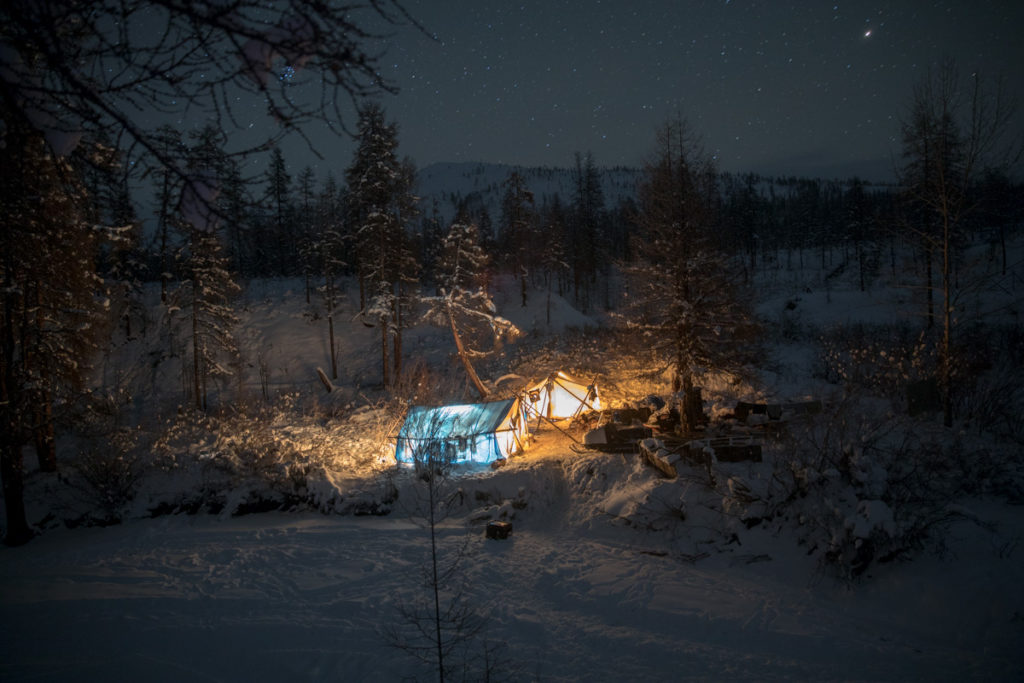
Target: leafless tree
{"points": [[953, 132], [437, 627], [69, 68]]}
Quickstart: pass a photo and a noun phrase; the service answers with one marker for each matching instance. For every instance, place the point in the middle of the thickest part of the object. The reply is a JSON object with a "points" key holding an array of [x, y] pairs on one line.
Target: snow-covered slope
{"points": [[576, 593]]}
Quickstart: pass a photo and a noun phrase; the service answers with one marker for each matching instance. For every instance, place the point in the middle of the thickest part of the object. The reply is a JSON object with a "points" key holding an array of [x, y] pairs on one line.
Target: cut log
{"points": [[324, 380], [660, 458]]}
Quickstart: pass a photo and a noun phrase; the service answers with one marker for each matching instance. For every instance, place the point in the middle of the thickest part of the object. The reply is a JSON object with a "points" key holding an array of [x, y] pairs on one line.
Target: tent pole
{"points": [[583, 403], [541, 417]]}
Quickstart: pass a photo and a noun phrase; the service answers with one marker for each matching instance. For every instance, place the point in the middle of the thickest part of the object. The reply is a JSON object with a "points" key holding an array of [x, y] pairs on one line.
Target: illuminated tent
{"points": [[559, 396], [474, 432]]}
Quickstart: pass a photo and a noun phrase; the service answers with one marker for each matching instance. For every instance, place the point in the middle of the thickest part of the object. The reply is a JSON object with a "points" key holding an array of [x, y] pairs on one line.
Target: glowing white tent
{"points": [[560, 396], [476, 432]]}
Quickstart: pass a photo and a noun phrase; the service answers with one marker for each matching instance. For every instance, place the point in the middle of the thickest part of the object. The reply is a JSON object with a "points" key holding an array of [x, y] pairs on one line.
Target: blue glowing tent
{"points": [[474, 432]]}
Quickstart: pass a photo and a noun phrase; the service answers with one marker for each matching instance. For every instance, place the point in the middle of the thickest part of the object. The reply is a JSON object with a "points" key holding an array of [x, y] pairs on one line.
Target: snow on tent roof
{"points": [[479, 432]]}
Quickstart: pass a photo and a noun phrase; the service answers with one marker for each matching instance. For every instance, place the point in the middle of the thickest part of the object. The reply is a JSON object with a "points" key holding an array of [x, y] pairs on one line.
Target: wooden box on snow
{"points": [[499, 530]]}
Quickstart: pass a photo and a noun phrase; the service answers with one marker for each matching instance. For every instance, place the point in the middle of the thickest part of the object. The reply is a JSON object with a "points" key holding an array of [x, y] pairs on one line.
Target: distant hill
{"points": [[481, 184]]}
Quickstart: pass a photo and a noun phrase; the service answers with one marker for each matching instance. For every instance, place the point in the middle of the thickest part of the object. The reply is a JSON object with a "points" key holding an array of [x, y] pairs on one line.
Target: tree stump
{"points": [[499, 530]]}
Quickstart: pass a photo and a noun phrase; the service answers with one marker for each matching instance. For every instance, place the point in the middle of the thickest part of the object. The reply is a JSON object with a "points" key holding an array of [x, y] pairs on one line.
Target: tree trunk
{"points": [[42, 431], [1002, 243], [435, 583], [474, 378], [334, 355], [549, 305], [947, 330], [396, 307], [12, 471], [692, 414], [384, 352], [860, 262], [396, 348], [195, 352], [928, 286]]}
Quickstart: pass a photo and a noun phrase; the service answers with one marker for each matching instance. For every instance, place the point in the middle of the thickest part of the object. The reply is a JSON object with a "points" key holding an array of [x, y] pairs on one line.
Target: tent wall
{"points": [[559, 397], [482, 432]]}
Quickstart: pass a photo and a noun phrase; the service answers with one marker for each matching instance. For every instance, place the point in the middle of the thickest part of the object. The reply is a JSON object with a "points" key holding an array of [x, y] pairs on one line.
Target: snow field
{"points": [[574, 594]]}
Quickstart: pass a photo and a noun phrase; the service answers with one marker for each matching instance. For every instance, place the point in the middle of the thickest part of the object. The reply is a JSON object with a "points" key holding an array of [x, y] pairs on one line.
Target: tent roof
{"points": [[442, 422], [560, 377]]}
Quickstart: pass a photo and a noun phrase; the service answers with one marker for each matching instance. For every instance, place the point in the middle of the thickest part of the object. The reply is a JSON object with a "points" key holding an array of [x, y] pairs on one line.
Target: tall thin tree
{"points": [[52, 298], [951, 134]]}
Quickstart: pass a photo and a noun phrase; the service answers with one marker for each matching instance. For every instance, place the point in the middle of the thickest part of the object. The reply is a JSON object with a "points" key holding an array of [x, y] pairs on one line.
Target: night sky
{"points": [[805, 87]]}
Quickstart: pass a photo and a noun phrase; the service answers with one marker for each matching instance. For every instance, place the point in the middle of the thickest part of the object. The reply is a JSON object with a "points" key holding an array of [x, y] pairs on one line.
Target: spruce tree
{"points": [[207, 287], [279, 215], [168, 192], [304, 226], [682, 296], [519, 229], [586, 249], [380, 205], [237, 205], [330, 255], [52, 301]]}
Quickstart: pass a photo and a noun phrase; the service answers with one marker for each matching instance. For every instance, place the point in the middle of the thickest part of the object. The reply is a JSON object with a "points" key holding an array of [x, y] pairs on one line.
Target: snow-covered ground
{"points": [[574, 594], [611, 573]]}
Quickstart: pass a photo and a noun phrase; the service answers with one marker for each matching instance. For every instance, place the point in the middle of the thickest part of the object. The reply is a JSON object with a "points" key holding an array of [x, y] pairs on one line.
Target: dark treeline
{"points": [[272, 226], [658, 255]]}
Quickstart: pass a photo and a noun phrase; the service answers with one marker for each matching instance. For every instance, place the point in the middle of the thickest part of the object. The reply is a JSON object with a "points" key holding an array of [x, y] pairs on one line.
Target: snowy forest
{"points": [[204, 369]]}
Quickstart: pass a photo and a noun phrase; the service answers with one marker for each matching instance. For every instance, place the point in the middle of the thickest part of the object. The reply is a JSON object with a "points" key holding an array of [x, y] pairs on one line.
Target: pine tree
{"points": [[280, 214], [303, 221], [464, 304], [586, 248], [431, 239], [168, 191], [380, 206], [463, 262], [207, 287], [121, 259], [330, 252], [681, 296], [518, 229], [52, 297], [555, 260], [237, 216]]}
